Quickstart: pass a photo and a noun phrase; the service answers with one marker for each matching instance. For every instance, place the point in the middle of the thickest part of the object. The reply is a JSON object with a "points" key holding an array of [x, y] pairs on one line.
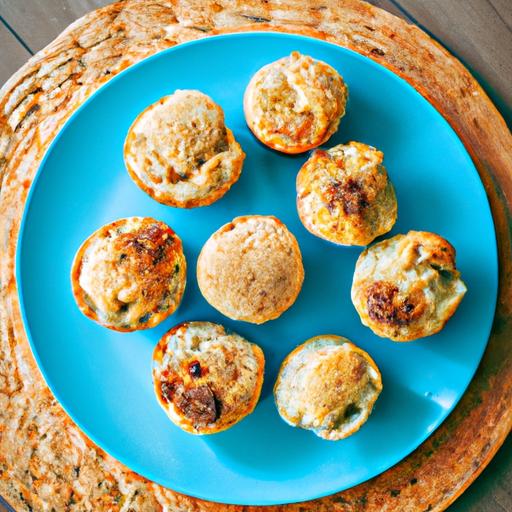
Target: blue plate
{"points": [[103, 379]]}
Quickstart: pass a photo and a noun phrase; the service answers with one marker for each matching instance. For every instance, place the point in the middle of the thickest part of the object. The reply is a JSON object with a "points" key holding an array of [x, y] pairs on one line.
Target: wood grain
{"points": [[13, 55], [461, 25], [65, 470], [38, 23]]}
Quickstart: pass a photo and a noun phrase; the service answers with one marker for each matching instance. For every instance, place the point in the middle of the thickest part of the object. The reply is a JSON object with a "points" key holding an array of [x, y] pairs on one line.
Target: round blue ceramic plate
{"points": [[103, 378]]}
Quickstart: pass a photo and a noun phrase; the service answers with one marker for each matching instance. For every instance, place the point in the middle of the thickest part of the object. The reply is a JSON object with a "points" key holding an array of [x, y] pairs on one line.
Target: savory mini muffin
{"points": [[344, 194], [130, 274], [180, 152], [251, 269], [407, 287], [327, 385], [295, 103], [206, 379]]}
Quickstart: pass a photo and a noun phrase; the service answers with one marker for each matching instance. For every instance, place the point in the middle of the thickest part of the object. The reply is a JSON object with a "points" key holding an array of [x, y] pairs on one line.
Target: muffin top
{"points": [[344, 194], [130, 274], [407, 287], [295, 103], [180, 152], [205, 378], [327, 385], [251, 269]]}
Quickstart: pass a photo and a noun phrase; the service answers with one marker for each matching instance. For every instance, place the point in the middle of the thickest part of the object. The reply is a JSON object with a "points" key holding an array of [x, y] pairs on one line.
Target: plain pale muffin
{"points": [[295, 104], [130, 274], [327, 385], [344, 194], [206, 379], [251, 269], [407, 287], [180, 152]]}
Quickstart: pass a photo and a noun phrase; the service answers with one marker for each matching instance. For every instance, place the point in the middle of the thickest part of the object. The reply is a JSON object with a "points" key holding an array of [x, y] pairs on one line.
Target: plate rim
{"points": [[204, 40]]}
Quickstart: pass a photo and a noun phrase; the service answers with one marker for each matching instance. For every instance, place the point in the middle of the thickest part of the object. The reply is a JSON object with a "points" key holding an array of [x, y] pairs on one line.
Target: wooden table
{"points": [[479, 32]]}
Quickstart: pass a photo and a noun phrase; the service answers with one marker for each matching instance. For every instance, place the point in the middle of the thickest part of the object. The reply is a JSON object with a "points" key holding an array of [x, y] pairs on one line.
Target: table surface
{"points": [[478, 32]]}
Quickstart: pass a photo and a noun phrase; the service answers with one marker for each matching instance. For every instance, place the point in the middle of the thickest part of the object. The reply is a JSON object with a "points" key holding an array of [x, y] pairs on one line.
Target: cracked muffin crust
{"points": [[407, 287], [295, 103], [179, 151], [344, 194], [130, 274], [327, 385], [251, 269], [206, 379]]}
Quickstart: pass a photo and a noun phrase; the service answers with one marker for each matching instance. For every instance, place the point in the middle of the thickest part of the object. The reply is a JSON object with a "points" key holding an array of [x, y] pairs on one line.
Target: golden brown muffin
{"points": [[295, 103], [344, 194], [130, 274], [205, 378], [327, 385], [407, 287], [180, 152], [251, 269]]}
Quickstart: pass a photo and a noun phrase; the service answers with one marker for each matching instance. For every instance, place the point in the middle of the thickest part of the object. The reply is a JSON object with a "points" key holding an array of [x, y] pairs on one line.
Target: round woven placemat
{"points": [[46, 463]]}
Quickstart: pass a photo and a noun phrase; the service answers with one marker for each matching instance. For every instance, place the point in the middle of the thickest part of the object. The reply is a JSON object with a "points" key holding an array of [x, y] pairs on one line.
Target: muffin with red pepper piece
{"points": [[251, 269], [344, 194], [179, 151], [407, 287], [327, 385], [206, 379], [130, 274], [295, 103]]}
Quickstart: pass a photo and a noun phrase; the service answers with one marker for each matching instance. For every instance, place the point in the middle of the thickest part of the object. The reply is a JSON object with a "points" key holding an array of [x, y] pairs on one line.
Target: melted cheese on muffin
{"points": [[251, 269], [295, 103], [327, 385], [407, 287], [344, 194], [130, 274], [180, 152], [205, 378]]}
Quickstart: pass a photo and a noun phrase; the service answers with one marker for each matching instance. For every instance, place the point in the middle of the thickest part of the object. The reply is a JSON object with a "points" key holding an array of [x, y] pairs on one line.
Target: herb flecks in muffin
{"points": [[327, 385], [407, 287], [344, 194], [124, 274], [295, 103], [180, 152], [206, 379]]}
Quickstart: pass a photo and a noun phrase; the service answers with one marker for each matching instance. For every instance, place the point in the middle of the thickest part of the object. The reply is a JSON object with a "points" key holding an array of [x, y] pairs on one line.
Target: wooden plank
{"points": [[479, 32], [389, 6], [504, 9], [12, 54], [492, 491], [39, 23]]}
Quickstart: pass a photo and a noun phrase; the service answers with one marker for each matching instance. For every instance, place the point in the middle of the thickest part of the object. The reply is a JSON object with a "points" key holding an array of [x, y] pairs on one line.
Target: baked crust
{"points": [[205, 378], [179, 151], [129, 274], [327, 385], [295, 103], [407, 287], [251, 269], [344, 194]]}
